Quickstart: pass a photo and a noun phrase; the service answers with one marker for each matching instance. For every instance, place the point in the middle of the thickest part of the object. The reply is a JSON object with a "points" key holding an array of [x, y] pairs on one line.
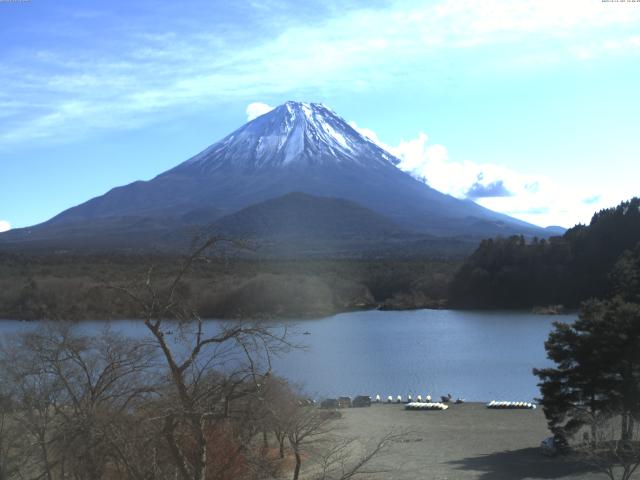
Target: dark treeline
{"points": [[502, 273], [591, 396], [513, 273], [77, 286]]}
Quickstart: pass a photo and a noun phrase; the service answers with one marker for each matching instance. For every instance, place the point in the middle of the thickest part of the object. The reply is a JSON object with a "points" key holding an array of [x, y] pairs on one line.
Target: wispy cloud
{"points": [[4, 226], [82, 84], [255, 109], [591, 200]]}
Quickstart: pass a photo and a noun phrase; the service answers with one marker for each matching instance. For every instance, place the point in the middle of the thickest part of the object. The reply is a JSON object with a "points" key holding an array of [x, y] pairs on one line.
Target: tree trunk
{"points": [[200, 467], [156, 467], [45, 456], [296, 472], [630, 426], [176, 453], [627, 427], [93, 465]]}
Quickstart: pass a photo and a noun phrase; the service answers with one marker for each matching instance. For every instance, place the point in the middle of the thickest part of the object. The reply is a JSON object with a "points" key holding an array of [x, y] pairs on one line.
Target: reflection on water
{"points": [[475, 355]]}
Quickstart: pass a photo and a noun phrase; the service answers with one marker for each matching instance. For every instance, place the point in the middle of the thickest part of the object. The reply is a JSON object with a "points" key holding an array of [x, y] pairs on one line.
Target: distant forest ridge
{"points": [[78, 287], [586, 262], [505, 272]]}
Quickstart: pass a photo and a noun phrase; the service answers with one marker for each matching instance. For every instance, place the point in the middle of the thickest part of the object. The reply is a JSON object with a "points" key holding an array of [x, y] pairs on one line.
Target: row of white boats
{"points": [[492, 404], [426, 406], [399, 399], [511, 405]]}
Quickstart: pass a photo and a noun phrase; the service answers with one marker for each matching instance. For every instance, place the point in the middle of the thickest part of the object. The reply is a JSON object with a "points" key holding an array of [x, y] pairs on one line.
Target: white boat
{"points": [[504, 405], [426, 406]]}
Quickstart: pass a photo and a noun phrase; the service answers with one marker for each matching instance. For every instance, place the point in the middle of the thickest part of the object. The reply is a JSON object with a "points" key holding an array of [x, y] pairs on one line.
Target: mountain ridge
{"points": [[297, 147]]}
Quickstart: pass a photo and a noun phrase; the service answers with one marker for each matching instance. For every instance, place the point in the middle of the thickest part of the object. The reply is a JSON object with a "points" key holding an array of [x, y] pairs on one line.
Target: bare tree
{"points": [[189, 402], [279, 403], [37, 394], [339, 461], [306, 426], [312, 433], [74, 392], [10, 438], [191, 350], [611, 445]]}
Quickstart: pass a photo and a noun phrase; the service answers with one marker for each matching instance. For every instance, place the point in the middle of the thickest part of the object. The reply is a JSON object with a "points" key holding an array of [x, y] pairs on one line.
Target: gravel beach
{"points": [[467, 441]]}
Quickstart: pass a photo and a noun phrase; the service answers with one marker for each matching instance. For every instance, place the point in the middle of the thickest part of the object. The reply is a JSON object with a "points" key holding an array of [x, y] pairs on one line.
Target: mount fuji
{"points": [[270, 178]]}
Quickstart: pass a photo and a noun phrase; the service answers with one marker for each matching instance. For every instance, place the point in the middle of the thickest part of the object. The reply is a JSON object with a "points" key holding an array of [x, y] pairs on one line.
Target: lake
{"points": [[479, 356]]}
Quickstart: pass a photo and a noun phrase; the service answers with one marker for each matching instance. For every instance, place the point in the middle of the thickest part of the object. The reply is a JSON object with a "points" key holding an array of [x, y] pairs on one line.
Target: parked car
{"points": [[329, 403], [552, 446], [361, 401], [548, 448], [344, 402]]}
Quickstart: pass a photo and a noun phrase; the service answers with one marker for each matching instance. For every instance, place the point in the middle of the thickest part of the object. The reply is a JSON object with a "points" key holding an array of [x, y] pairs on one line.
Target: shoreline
{"points": [[310, 316]]}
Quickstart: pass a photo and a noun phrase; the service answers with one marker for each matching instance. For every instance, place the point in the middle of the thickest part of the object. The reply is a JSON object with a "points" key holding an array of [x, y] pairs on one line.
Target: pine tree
{"points": [[597, 368]]}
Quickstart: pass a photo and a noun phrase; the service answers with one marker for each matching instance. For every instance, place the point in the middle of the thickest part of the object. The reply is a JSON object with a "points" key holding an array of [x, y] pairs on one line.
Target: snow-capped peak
{"points": [[294, 133]]}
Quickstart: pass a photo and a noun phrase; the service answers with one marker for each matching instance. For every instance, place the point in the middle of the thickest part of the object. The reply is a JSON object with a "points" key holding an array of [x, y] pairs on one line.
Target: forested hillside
{"points": [[81, 286], [513, 273]]}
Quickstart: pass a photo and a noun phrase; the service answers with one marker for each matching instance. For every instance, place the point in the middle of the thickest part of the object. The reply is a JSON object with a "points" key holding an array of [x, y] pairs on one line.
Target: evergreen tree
{"points": [[597, 368], [625, 276], [567, 270]]}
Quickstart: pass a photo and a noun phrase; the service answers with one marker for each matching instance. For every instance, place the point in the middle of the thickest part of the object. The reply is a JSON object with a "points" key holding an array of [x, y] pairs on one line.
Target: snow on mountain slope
{"points": [[302, 133], [297, 147]]}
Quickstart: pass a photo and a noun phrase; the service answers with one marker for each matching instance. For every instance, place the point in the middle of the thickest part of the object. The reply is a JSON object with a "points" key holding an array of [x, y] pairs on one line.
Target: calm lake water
{"points": [[475, 355]]}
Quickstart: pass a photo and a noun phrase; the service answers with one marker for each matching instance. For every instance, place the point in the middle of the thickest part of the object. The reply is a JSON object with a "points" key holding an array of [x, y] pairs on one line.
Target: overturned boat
{"points": [[511, 405], [426, 406]]}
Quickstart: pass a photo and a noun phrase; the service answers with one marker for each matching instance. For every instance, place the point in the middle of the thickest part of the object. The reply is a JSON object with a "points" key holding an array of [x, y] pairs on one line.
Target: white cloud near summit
{"points": [[532, 198], [4, 226], [255, 109], [536, 199]]}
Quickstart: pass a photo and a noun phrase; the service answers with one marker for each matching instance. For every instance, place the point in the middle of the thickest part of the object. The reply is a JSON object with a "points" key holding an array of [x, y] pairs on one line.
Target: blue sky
{"points": [[529, 107]]}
